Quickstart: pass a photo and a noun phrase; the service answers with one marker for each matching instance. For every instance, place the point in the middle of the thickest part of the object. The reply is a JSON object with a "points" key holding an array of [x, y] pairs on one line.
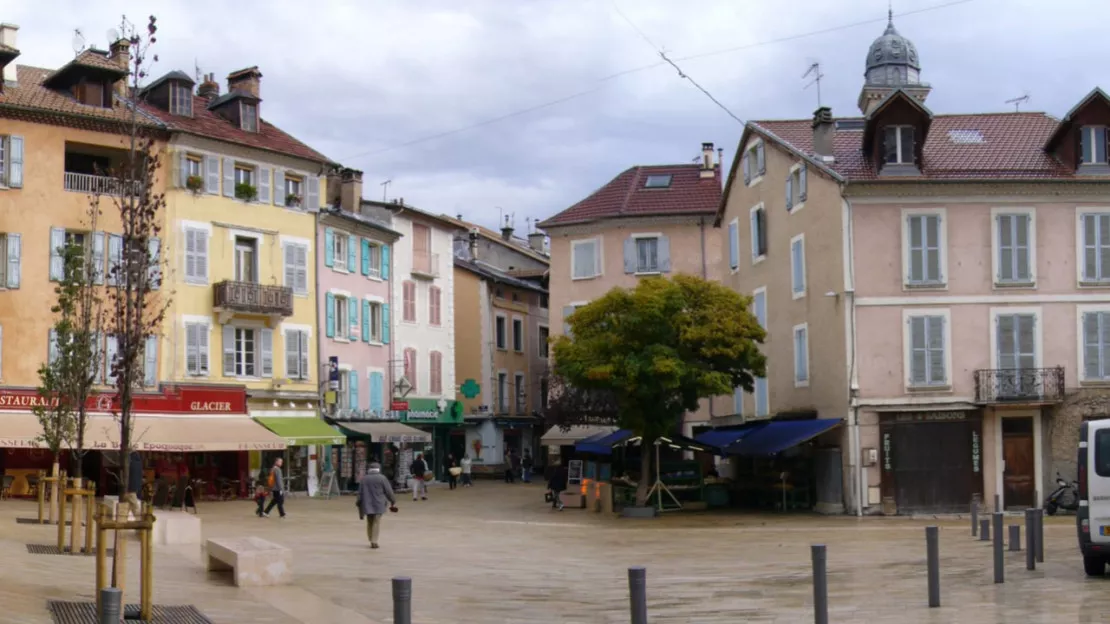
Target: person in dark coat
{"points": [[452, 468], [557, 484], [419, 468], [375, 496]]}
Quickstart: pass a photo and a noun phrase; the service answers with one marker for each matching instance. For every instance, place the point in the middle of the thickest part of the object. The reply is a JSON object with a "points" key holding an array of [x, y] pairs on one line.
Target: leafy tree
{"points": [[643, 357]]}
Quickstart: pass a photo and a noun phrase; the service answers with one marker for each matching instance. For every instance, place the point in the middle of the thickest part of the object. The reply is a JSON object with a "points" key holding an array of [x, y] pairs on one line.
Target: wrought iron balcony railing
{"points": [[99, 185], [1019, 385], [253, 298]]}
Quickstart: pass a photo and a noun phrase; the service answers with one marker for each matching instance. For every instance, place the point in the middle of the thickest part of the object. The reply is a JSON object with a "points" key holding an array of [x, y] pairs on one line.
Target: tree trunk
{"points": [[50, 491], [646, 476]]}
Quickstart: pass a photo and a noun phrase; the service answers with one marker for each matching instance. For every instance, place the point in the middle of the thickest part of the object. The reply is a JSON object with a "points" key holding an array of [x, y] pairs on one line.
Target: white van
{"points": [[1093, 518]]}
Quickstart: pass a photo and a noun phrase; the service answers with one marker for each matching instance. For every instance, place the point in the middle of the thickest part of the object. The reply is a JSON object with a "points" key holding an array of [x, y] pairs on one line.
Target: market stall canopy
{"points": [[555, 436], [151, 432], [602, 444], [724, 439], [303, 430], [776, 436], [386, 431]]}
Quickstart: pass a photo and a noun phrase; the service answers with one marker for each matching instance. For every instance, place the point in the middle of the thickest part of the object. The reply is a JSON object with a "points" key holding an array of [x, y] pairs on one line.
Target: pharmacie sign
{"points": [[173, 400]]}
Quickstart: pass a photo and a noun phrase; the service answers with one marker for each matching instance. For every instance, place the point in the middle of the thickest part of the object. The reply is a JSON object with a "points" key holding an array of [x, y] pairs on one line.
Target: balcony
{"points": [[425, 264], [1021, 386], [230, 298], [99, 185], [88, 170]]}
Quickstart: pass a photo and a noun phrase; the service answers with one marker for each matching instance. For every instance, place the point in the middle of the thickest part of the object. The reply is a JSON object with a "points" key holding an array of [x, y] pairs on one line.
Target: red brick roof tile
{"points": [[31, 95], [625, 196]]}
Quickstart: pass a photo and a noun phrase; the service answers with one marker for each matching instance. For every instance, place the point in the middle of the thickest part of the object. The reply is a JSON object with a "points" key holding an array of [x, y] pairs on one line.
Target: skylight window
{"points": [[965, 137], [658, 181]]}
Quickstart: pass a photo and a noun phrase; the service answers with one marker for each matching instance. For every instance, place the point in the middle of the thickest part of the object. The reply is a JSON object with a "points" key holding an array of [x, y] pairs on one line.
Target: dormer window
{"points": [[898, 145], [92, 93], [1092, 145], [181, 100], [248, 116], [658, 181]]}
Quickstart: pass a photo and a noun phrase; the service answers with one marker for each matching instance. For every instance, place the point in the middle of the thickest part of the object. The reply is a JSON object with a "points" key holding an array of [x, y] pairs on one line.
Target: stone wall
{"points": [[1063, 428]]}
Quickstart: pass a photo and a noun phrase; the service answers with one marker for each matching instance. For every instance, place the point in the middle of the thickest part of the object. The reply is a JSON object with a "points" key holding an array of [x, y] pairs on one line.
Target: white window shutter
{"points": [[111, 349], [229, 177], [264, 185], [57, 262], [182, 169], [312, 197], [301, 263], [292, 355], [229, 351], [267, 353], [150, 362], [289, 257], [98, 257], [203, 332], [15, 165], [14, 242], [279, 187], [201, 255], [115, 258], [192, 349], [305, 371], [212, 175]]}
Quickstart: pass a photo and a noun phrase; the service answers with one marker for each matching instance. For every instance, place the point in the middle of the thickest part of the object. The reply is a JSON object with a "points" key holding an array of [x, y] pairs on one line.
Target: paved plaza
{"points": [[495, 554]]}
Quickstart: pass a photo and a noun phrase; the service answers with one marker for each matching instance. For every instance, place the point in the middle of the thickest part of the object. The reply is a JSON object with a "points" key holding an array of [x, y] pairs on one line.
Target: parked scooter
{"points": [[1065, 496]]}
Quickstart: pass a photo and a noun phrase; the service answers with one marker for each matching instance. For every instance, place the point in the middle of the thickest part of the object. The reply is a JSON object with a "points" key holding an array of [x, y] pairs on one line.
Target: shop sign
{"points": [[333, 372], [886, 452], [399, 406], [975, 452], [931, 417], [175, 400], [422, 415]]}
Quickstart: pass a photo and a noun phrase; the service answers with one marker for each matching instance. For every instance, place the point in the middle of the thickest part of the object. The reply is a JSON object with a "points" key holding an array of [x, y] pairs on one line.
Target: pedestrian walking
{"points": [[134, 485], [375, 496], [466, 471], [261, 491], [510, 477], [277, 489], [419, 470], [526, 468], [556, 485], [453, 472]]}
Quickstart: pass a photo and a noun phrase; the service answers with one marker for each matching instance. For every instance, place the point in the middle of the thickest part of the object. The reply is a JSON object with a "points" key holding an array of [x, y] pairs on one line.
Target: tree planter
{"points": [[639, 513]]}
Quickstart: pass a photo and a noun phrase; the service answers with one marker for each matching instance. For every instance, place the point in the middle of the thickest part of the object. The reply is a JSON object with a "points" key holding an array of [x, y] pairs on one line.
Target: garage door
{"points": [[932, 461]]}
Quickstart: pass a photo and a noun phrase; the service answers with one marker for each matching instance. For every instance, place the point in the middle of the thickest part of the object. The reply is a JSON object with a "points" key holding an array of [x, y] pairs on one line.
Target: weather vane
{"points": [[815, 71]]}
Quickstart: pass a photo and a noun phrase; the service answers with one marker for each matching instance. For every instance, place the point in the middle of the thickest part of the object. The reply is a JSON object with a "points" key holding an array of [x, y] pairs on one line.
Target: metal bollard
{"points": [[1040, 535], [637, 594], [110, 607], [932, 555], [999, 561], [984, 530], [820, 585], [402, 600], [1015, 537], [1030, 539], [997, 503], [974, 517]]}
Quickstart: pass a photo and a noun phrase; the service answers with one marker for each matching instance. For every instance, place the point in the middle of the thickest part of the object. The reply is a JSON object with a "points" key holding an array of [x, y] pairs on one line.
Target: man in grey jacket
{"points": [[277, 490], [375, 496]]}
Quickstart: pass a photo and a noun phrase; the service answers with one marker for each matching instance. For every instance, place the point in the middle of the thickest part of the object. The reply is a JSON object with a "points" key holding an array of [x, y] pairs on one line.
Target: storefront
{"points": [[294, 417], [932, 462], [388, 442], [488, 440], [442, 419], [201, 433]]}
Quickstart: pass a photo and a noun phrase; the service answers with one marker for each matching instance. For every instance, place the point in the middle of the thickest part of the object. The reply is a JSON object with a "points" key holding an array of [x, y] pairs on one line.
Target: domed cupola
{"points": [[892, 63]]}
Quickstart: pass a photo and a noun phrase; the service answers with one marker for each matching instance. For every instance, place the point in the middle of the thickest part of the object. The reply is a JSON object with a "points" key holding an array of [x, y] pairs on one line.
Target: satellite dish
{"points": [[78, 41], [113, 36]]}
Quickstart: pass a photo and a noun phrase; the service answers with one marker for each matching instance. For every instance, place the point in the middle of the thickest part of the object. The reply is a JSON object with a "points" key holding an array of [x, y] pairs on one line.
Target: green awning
{"points": [[303, 430]]}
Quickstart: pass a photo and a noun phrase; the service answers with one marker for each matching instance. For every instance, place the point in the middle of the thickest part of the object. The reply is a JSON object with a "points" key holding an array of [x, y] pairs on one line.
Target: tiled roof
{"points": [[90, 58], [1011, 147], [29, 94], [491, 272], [625, 196], [207, 123], [515, 243]]}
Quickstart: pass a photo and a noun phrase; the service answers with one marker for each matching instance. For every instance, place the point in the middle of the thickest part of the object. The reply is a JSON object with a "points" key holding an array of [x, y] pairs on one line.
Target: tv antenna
{"points": [[196, 70], [78, 41], [815, 71], [385, 189], [1018, 101]]}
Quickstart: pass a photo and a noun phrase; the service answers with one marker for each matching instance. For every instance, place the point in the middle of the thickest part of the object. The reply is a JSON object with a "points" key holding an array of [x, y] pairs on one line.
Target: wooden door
{"points": [[932, 466], [1019, 483]]}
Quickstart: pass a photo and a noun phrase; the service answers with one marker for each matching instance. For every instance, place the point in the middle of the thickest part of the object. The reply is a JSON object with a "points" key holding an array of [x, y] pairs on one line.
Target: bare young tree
{"points": [[137, 307]]}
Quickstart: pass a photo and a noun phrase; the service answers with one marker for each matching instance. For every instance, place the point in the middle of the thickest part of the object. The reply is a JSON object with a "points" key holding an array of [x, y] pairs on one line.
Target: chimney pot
{"points": [[247, 80], [824, 130], [8, 34], [708, 170], [350, 192], [209, 89]]}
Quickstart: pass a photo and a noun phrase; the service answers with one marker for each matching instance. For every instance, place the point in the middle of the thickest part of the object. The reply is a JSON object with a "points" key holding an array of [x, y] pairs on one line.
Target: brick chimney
{"points": [[209, 89], [708, 168], [824, 129], [7, 37], [120, 54], [350, 192], [247, 80]]}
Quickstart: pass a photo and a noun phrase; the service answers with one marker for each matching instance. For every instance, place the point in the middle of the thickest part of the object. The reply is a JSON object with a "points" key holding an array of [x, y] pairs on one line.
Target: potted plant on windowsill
{"points": [[195, 184], [293, 200], [245, 192]]}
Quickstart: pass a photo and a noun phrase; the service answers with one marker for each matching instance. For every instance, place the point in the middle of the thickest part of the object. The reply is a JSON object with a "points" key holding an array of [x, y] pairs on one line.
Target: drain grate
{"points": [[85, 613], [52, 549], [36, 521]]}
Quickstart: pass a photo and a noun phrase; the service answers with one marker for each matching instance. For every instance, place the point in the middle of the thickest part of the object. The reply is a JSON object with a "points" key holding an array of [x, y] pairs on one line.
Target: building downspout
{"points": [[859, 485], [705, 275]]}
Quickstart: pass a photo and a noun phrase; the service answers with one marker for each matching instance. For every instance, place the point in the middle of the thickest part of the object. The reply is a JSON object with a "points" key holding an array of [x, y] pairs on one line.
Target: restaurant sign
{"points": [[173, 400]]}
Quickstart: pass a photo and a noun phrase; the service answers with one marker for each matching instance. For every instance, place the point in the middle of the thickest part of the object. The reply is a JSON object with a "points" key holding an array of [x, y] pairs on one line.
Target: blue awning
{"points": [[603, 445], [778, 435], [724, 438]]}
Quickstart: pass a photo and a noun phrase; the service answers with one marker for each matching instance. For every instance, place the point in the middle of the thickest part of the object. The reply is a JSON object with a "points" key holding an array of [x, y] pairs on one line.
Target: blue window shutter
{"points": [[385, 323], [664, 253], [13, 260], [279, 187], [98, 257], [376, 387], [150, 362], [312, 197], [803, 189], [352, 253], [155, 269], [212, 175], [267, 353], [629, 255], [329, 312], [385, 262], [329, 247], [264, 184], [365, 257], [733, 245], [57, 263], [352, 382], [229, 177], [352, 318], [15, 165], [365, 321]]}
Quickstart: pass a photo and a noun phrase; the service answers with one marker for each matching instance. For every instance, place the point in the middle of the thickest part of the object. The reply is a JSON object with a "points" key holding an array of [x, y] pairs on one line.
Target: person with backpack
{"points": [[419, 470], [277, 489]]}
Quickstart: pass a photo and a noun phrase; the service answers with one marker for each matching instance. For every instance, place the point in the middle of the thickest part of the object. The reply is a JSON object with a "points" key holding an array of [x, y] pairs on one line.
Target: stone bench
{"points": [[253, 561], [176, 527]]}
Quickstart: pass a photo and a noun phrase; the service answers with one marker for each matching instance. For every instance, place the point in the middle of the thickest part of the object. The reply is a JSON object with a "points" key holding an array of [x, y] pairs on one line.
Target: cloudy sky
{"points": [[400, 90]]}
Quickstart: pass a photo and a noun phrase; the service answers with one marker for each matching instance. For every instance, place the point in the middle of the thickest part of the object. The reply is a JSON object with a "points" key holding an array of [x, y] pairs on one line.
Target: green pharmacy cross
{"points": [[470, 388]]}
